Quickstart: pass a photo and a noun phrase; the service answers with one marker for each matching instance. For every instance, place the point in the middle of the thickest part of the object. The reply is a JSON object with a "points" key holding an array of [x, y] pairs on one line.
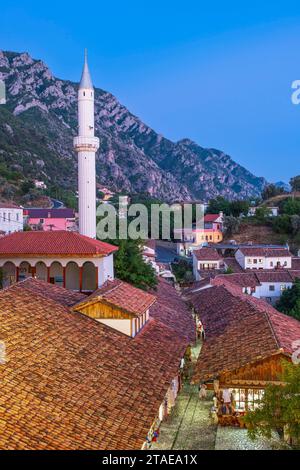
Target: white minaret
{"points": [[86, 144]]}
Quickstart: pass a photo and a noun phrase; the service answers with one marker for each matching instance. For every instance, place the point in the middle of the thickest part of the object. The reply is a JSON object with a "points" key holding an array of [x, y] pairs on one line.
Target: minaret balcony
{"points": [[86, 144]]}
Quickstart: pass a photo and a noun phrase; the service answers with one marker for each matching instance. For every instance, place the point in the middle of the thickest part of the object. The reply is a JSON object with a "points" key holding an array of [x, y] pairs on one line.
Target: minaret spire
{"points": [[86, 81], [86, 144]]}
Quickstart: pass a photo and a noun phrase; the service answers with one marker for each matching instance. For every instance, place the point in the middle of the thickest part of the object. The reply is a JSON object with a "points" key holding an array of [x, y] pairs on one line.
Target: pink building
{"points": [[50, 219]]}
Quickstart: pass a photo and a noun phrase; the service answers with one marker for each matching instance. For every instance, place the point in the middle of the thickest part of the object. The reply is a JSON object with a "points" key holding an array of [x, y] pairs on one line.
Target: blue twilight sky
{"points": [[218, 72]]}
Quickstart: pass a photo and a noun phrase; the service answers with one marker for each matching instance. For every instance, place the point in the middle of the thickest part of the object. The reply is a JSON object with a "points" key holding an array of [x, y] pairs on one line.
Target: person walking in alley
{"points": [[202, 391]]}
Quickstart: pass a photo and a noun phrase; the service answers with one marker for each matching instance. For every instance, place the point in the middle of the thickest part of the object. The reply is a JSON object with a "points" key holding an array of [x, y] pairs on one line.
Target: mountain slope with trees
{"points": [[39, 121]]}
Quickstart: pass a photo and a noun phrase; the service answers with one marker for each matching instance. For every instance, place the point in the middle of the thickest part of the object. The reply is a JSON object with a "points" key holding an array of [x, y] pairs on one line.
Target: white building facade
{"points": [[264, 258], [11, 218]]}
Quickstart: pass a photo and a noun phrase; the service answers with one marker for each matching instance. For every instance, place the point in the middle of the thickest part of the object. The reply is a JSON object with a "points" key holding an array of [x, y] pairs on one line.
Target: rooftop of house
{"points": [[172, 311], [121, 295], [240, 329], [240, 279], [296, 263], [60, 242], [207, 254], [211, 217], [233, 264], [71, 382], [40, 213], [265, 252], [9, 205]]}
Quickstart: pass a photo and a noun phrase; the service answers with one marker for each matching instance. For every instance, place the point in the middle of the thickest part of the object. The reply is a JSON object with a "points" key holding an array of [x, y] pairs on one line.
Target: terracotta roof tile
{"points": [[239, 329], [233, 264], [172, 310], [267, 252], [122, 295], [274, 276], [207, 254], [57, 242], [296, 264], [40, 213], [241, 279], [211, 217], [73, 383]]}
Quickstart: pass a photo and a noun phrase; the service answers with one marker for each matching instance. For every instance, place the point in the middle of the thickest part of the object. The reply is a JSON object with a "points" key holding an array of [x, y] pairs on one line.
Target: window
{"points": [[249, 260], [283, 287], [271, 288], [260, 260], [245, 399], [271, 264], [285, 263], [17, 217], [255, 261], [9, 216]]}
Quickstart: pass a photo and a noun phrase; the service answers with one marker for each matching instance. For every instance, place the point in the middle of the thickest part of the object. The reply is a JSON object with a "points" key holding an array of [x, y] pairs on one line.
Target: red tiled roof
{"points": [[239, 329], [241, 279], [267, 252], [294, 274], [171, 310], [207, 254], [40, 213], [274, 276], [9, 205], [60, 242], [211, 217], [233, 264], [65, 297], [122, 295], [71, 382], [296, 264]]}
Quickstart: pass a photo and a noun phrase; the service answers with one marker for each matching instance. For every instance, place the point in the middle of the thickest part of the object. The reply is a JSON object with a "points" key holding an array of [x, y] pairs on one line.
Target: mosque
{"points": [[76, 261]]}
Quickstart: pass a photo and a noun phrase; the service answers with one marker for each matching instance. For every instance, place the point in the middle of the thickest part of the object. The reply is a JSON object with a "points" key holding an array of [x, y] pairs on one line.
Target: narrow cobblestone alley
{"points": [[189, 426]]}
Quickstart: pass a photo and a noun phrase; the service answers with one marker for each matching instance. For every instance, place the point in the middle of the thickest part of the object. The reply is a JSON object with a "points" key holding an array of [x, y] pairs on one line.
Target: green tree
{"points": [[231, 225], [262, 213], [282, 224], [220, 204], [182, 271], [279, 408], [130, 266], [271, 191], [229, 270], [295, 223], [26, 186], [295, 183], [291, 206], [289, 302], [238, 208]]}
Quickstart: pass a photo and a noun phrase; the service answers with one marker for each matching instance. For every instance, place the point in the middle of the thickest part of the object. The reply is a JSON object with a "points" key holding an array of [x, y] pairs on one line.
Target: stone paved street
{"points": [[189, 426]]}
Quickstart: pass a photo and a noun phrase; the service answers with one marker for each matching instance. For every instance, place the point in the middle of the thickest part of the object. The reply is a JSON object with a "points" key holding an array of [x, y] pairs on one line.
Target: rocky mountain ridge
{"points": [[40, 119]]}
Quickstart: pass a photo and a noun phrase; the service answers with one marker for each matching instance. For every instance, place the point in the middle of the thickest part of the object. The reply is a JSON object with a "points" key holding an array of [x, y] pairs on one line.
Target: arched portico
{"points": [[72, 276], [9, 274], [41, 271], [89, 277], [25, 270], [56, 274]]}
